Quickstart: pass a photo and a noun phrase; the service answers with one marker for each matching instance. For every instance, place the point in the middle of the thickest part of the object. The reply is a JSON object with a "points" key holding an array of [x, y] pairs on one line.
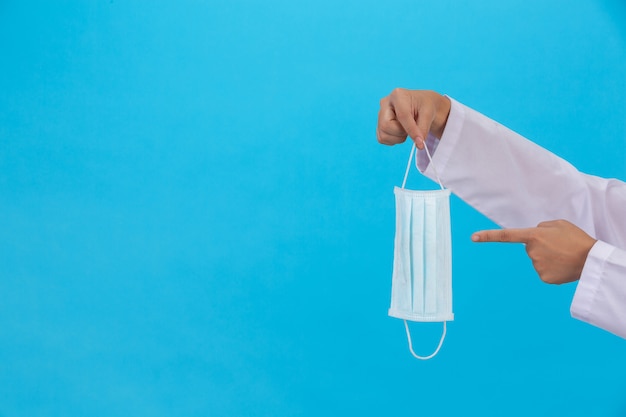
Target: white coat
{"points": [[516, 183]]}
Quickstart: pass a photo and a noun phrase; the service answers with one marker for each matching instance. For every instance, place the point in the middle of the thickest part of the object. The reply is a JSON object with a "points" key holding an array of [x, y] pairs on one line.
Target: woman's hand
{"points": [[558, 249], [412, 113]]}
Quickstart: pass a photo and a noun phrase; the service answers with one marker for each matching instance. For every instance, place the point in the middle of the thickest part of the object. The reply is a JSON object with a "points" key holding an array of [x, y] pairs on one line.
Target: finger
{"points": [[405, 117], [503, 235], [425, 117], [388, 122], [389, 130], [555, 223], [401, 102]]}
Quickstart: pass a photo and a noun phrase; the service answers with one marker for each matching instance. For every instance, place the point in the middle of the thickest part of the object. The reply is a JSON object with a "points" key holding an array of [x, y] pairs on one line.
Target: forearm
{"points": [[511, 180]]}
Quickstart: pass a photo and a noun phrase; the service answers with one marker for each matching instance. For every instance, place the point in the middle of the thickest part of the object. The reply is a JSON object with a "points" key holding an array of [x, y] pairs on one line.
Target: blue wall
{"points": [[196, 218]]}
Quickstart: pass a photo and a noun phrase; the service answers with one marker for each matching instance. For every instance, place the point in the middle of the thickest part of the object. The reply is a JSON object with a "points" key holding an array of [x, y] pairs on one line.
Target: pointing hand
{"points": [[558, 249]]}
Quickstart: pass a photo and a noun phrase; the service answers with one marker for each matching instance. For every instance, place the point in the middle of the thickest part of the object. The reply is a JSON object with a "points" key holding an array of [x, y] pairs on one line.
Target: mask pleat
{"points": [[417, 252], [401, 298], [430, 248], [442, 248]]}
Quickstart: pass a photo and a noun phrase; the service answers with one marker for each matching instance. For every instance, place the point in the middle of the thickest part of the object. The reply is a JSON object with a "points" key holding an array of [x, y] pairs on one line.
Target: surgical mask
{"points": [[422, 267]]}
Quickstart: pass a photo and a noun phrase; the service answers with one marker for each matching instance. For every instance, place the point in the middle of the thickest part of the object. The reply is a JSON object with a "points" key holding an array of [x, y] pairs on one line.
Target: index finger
{"points": [[503, 235]]}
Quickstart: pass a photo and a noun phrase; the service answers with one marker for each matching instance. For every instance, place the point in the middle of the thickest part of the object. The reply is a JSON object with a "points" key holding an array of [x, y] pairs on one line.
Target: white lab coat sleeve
{"points": [[600, 295], [516, 183]]}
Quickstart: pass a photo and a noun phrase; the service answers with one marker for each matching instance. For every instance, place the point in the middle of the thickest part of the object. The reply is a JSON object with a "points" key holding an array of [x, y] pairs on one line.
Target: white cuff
{"points": [[582, 307]]}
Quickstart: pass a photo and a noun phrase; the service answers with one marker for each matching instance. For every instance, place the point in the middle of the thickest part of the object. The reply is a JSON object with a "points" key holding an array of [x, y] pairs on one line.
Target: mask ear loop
{"points": [[408, 166], [406, 325], [408, 335]]}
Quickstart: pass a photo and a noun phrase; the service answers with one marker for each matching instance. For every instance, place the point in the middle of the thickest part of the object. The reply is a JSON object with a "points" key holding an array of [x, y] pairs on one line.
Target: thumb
{"points": [[503, 235], [414, 112], [425, 118], [406, 118]]}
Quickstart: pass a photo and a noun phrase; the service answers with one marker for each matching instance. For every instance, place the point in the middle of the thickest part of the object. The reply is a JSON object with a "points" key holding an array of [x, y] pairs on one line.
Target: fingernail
{"points": [[475, 237]]}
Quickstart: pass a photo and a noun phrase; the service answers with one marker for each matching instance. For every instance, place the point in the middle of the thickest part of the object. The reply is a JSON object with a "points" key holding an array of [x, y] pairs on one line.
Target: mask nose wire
{"points": [[408, 165]]}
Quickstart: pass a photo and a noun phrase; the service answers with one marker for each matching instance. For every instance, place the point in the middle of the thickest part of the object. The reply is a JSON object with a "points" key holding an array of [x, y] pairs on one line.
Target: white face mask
{"points": [[422, 267]]}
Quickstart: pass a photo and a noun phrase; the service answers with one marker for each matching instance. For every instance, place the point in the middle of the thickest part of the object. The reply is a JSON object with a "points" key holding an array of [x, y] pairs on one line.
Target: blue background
{"points": [[196, 218]]}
